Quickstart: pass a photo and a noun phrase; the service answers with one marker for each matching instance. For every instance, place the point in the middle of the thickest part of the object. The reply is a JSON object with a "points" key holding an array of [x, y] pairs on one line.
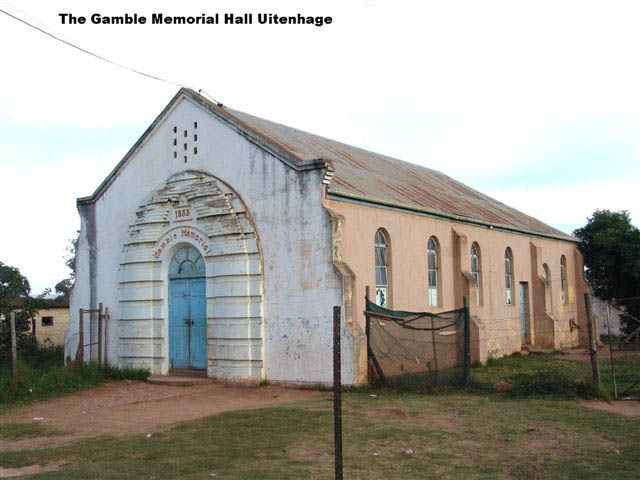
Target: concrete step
{"points": [[178, 381]]}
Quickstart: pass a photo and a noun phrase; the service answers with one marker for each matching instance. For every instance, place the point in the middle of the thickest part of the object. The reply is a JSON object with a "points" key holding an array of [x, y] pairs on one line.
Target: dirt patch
{"points": [[31, 470], [628, 408], [385, 412], [305, 455], [603, 354], [130, 407], [438, 421]]}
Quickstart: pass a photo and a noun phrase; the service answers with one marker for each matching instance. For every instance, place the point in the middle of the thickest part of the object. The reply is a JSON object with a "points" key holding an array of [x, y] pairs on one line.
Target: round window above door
{"points": [[187, 262]]}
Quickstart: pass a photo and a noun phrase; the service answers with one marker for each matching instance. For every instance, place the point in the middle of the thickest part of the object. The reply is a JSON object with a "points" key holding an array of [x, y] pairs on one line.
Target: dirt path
{"points": [[628, 408], [129, 407]]}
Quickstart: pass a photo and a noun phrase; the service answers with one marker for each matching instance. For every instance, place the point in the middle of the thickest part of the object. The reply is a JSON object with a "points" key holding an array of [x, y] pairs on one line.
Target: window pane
{"points": [[381, 296], [432, 260], [433, 278], [433, 297], [381, 276], [381, 256], [507, 281]]}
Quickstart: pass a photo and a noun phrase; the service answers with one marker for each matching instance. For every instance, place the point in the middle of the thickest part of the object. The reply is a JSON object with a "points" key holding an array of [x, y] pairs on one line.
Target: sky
{"points": [[536, 104]]}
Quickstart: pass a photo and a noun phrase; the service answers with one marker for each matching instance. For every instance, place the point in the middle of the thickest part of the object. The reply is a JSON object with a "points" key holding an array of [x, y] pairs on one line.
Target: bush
{"points": [[42, 374]]}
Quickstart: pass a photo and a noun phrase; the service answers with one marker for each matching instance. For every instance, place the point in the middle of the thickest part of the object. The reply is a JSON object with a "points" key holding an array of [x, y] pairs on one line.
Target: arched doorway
{"points": [[192, 209], [187, 310]]}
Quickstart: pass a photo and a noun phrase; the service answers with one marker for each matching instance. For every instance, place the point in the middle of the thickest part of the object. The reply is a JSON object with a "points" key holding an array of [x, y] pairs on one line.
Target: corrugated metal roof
{"points": [[382, 179], [360, 175]]}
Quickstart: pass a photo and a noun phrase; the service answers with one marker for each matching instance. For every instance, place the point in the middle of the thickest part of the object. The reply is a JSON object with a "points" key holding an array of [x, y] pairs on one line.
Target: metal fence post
{"points": [[435, 355], [467, 342], [14, 348], [337, 393], [593, 352]]}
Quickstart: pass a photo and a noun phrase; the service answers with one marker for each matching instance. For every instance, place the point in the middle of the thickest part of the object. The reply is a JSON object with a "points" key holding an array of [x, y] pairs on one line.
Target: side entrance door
{"points": [[524, 310]]}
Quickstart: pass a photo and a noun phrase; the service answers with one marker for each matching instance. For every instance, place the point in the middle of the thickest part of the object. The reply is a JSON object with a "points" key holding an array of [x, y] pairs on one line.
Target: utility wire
{"points": [[100, 57]]}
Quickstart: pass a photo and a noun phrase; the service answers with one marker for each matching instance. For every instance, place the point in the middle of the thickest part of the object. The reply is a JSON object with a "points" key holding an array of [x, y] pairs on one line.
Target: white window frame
{"points": [[381, 259], [476, 270], [508, 276], [433, 272], [563, 280]]}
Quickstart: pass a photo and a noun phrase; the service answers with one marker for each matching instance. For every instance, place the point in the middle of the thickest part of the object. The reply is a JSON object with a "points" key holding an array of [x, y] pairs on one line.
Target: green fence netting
{"points": [[429, 347]]}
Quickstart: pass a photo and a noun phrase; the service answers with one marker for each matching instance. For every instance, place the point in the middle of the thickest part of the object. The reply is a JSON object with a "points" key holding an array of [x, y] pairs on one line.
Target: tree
{"points": [[610, 245], [64, 286], [14, 296]]}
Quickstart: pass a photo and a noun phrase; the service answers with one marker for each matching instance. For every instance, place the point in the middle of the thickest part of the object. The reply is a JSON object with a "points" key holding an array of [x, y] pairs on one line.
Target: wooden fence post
{"points": [[80, 352], [100, 318], [367, 332], [106, 337], [593, 351], [14, 348], [467, 342], [613, 371]]}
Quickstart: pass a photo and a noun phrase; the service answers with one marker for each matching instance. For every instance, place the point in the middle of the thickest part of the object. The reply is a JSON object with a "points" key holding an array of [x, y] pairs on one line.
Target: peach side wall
{"points": [[496, 325]]}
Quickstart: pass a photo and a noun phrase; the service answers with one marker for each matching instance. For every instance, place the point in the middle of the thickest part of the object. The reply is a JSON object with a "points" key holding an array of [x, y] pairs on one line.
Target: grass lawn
{"points": [[388, 434], [557, 370], [391, 436]]}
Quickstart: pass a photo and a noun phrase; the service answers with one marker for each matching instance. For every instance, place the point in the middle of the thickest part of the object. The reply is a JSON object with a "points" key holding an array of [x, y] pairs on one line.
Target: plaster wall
{"points": [[299, 282], [496, 329], [52, 334]]}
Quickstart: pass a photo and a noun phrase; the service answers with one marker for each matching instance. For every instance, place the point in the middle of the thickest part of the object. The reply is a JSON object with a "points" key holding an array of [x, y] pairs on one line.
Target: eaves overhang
{"points": [[350, 197]]}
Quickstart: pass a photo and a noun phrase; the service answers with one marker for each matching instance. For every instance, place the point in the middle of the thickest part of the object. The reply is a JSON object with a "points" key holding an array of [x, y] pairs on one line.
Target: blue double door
{"points": [[188, 323]]}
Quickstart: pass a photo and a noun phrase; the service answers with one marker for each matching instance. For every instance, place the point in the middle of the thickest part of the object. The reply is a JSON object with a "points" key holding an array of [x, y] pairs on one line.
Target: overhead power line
{"points": [[100, 57]]}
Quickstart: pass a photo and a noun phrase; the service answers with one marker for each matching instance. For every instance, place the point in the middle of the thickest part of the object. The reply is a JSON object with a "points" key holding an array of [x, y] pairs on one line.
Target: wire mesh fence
{"points": [[422, 346]]}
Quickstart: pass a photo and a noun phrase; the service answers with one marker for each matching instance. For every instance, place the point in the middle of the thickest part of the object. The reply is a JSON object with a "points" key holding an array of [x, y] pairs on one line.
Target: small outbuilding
{"points": [[221, 242]]}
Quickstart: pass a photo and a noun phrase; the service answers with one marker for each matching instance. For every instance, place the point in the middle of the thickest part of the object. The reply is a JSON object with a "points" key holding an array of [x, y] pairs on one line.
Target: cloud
{"points": [[568, 207]]}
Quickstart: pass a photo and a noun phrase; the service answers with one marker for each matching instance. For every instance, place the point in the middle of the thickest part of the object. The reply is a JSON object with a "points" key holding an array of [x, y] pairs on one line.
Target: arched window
{"points": [[508, 275], [563, 280], [545, 273], [187, 262], [433, 271], [476, 271], [382, 268]]}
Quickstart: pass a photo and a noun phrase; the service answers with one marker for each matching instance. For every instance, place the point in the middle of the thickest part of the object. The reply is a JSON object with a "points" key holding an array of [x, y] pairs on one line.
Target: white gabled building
{"points": [[222, 241]]}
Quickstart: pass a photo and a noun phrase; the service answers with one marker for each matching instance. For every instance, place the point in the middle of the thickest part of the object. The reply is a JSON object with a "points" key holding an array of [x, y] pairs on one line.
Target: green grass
{"points": [[42, 374], [19, 431], [451, 436], [556, 375], [549, 375]]}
